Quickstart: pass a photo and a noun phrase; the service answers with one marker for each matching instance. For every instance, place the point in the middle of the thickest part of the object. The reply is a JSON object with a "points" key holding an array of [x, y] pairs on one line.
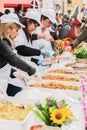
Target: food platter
{"points": [[80, 66]]}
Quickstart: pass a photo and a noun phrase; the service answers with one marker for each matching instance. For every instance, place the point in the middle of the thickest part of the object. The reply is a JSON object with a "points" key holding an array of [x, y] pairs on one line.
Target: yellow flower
{"points": [[51, 109], [58, 116], [53, 112], [69, 114]]}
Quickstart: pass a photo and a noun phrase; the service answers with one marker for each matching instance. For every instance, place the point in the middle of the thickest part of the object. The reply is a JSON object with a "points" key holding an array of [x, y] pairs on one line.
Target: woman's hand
{"points": [[48, 38]]}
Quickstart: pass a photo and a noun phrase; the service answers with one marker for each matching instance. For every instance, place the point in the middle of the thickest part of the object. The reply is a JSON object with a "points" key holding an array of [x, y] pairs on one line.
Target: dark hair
{"points": [[33, 21], [18, 8], [25, 21], [25, 10], [7, 11], [66, 18], [69, 11], [43, 17]]}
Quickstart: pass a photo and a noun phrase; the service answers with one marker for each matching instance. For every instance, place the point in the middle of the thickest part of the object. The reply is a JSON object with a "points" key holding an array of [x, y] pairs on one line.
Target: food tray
{"points": [[15, 125], [63, 71], [54, 84], [69, 73], [80, 66], [74, 75], [61, 77]]}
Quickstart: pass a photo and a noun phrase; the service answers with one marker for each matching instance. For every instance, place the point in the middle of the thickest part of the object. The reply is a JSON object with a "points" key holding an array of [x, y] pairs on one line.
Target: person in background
{"points": [[66, 27], [9, 27], [19, 10], [57, 26], [84, 22], [76, 24], [69, 12], [7, 11], [59, 17], [25, 10], [78, 40]]}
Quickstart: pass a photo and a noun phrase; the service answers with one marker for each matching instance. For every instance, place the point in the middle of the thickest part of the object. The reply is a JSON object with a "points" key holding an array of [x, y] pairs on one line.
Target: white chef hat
{"points": [[50, 14], [34, 15], [11, 17]]}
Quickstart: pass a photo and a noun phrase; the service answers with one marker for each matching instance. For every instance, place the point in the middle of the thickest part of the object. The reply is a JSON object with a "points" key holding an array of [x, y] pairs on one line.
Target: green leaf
{"points": [[81, 53], [41, 117]]}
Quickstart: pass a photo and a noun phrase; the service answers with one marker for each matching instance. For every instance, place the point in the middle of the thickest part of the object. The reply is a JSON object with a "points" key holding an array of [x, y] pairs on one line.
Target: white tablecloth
{"points": [[71, 97]]}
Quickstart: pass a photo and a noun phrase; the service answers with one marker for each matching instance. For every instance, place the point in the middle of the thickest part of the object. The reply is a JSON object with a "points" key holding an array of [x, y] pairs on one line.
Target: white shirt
{"points": [[42, 43], [22, 40]]}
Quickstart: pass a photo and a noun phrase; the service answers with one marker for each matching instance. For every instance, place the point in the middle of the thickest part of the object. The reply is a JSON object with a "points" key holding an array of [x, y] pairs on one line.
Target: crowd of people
{"points": [[28, 36]]}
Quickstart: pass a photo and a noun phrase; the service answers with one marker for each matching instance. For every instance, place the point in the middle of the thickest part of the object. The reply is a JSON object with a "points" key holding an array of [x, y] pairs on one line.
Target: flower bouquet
{"points": [[54, 113]]}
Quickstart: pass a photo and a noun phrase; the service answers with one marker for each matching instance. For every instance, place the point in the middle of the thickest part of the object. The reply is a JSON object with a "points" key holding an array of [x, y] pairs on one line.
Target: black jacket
{"points": [[27, 51], [65, 29], [8, 56]]}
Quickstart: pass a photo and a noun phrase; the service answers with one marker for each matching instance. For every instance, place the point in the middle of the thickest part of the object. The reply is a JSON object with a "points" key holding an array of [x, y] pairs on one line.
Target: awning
{"points": [[14, 3]]}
